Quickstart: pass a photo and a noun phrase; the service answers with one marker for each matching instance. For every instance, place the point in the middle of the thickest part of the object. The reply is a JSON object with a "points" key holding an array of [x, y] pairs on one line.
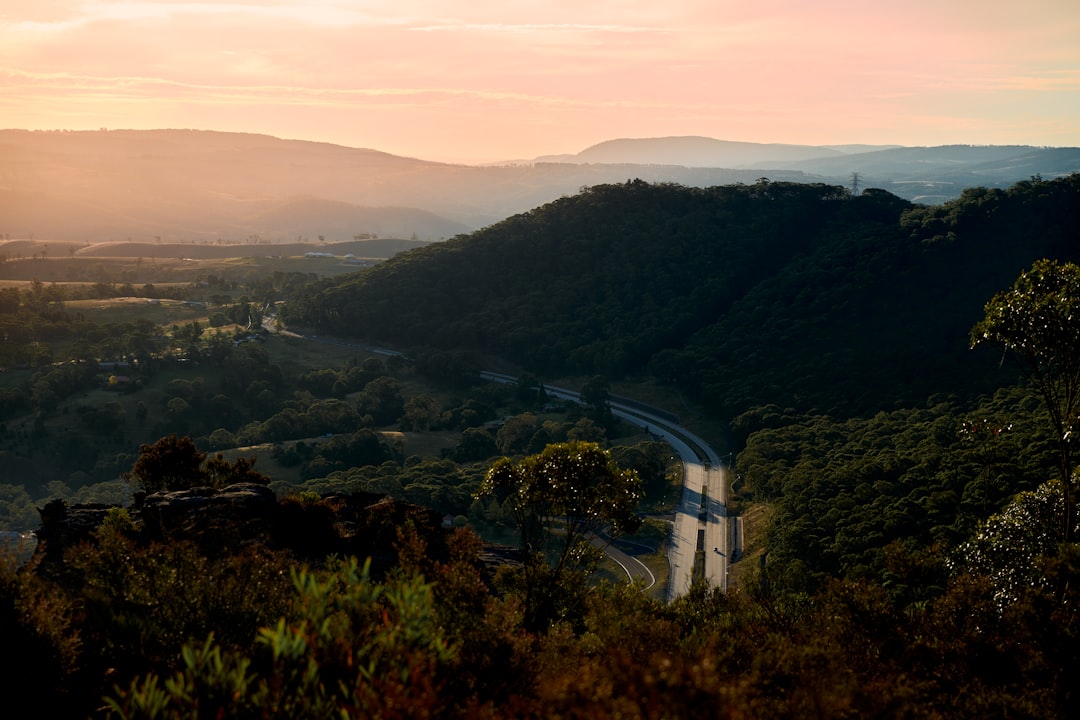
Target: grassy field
{"points": [[141, 271], [139, 263], [163, 313], [298, 355], [754, 522]]}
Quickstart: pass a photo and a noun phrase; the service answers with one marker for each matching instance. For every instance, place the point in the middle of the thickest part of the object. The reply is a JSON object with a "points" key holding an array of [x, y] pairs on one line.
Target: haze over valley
{"points": [[199, 186]]}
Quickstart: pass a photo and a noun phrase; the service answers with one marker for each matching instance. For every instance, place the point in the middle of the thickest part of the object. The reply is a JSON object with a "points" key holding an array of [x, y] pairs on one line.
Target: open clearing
{"points": [[121, 310]]}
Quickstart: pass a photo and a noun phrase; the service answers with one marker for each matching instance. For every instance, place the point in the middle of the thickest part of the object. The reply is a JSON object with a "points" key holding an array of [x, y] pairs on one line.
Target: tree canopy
{"points": [[1038, 319], [171, 463], [560, 499], [176, 463], [796, 294]]}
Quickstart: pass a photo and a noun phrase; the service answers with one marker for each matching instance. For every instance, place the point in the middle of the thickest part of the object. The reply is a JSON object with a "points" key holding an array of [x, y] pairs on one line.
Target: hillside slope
{"points": [[188, 185], [742, 295], [201, 186]]}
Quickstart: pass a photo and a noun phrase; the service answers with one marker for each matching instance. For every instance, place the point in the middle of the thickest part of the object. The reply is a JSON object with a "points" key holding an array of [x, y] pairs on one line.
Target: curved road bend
{"points": [[634, 568], [701, 539]]}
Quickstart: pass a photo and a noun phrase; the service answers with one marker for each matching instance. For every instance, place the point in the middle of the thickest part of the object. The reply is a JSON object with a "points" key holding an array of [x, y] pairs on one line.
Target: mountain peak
{"points": [[696, 151]]}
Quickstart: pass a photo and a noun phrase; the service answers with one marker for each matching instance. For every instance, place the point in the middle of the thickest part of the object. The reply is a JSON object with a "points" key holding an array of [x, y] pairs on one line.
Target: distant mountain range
{"points": [[202, 186], [922, 174], [693, 151]]}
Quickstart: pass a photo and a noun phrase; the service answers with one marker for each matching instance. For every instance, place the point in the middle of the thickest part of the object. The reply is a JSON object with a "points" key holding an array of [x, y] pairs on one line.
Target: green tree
{"points": [[1008, 547], [358, 648], [421, 413], [587, 430], [178, 410], [1038, 319], [221, 473], [221, 438], [171, 463], [561, 499], [513, 437], [595, 396], [475, 444], [382, 400]]}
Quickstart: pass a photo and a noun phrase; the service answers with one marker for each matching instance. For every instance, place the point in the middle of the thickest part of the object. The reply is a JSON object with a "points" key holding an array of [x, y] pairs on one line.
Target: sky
{"points": [[481, 81]]}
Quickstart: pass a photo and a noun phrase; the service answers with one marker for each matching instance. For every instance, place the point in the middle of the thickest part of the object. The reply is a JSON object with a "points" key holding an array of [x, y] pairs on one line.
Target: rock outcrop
{"points": [[221, 521]]}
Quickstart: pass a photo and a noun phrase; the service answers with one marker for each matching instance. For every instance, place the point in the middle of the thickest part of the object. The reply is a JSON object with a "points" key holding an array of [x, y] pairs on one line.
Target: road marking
{"points": [[630, 575]]}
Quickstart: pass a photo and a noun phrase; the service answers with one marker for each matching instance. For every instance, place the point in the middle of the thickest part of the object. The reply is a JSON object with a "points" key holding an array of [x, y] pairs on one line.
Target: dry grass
{"points": [[158, 270], [755, 522], [297, 355], [425, 444], [123, 310]]}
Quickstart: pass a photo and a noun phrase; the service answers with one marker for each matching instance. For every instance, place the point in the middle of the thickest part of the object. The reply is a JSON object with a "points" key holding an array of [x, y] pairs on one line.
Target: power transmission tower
{"points": [[854, 184]]}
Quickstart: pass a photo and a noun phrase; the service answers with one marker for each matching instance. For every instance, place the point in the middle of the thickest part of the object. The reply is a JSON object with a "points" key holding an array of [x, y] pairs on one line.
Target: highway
{"points": [[703, 539]]}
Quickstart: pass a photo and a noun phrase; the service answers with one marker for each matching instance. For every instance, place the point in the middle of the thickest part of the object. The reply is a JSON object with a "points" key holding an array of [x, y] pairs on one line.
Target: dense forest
{"points": [[911, 501], [743, 295], [279, 614]]}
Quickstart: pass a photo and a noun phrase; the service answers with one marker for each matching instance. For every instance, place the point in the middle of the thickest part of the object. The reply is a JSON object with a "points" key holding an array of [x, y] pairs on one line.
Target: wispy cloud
{"points": [[533, 72], [537, 28], [63, 84]]}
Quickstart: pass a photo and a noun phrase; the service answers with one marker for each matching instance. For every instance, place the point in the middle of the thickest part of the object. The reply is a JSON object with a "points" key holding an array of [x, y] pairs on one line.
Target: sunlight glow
{"points": [[510, 80]]}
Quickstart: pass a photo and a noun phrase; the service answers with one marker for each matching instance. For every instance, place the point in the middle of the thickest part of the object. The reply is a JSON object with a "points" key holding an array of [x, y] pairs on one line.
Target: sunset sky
{"points": [[476, 80]]}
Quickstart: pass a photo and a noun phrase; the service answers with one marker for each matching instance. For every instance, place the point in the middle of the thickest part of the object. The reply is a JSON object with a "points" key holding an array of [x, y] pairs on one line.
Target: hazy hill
{"points": [[694, 151], [921, 174], [935, 174], [199, 186], [774, 292], [190, 185], [187, 185]]}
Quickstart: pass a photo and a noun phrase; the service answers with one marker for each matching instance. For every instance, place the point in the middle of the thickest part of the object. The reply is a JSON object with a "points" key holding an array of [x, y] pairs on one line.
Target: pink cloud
{"points": [[521, 78]]}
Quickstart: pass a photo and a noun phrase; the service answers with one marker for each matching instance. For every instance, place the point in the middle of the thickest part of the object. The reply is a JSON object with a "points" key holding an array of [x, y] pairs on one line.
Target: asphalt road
{"points": [[634, 568], [701, 538]]}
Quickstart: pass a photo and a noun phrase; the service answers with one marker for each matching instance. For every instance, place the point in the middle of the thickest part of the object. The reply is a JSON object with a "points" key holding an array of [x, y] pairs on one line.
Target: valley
{"points": [[777, 379], [539, 361]]}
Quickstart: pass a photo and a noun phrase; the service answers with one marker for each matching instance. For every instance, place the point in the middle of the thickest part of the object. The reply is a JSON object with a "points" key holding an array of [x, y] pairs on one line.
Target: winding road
{"points": [[703, 538]]}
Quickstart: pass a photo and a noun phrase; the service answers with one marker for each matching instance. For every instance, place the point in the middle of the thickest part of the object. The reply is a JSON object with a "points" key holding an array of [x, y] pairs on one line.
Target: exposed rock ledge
{"points": [[221, 521]]}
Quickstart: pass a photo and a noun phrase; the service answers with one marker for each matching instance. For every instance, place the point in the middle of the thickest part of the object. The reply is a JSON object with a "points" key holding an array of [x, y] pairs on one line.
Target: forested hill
{"points": [[795, 294]]}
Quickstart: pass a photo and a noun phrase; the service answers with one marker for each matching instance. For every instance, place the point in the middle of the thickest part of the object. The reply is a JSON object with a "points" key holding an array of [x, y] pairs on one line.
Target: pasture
{"points": [[163, 312], [139, 263]]}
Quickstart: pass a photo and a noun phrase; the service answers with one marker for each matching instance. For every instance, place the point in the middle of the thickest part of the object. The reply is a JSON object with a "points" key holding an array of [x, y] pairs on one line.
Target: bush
{"points": [[355, 649]]}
